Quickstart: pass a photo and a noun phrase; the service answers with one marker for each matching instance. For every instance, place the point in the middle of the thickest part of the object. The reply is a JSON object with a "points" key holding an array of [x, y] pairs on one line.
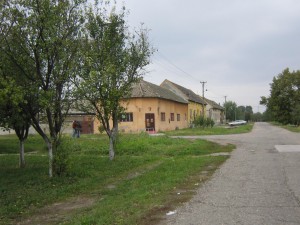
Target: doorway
{"points": [[149, 122]]}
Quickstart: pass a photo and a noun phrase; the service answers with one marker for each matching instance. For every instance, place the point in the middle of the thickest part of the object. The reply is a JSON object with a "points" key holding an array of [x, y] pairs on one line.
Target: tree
{"points": [[230, 108], [243, 113], [112, 60], [41, 40], [296, 115], [283, 104], [248, 113], [11, 114], [257, 117], [240, 112]]}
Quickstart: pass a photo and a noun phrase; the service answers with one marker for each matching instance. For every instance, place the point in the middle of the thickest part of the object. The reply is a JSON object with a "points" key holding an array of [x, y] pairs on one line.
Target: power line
{"points": [[166, 59], [169, 65]]}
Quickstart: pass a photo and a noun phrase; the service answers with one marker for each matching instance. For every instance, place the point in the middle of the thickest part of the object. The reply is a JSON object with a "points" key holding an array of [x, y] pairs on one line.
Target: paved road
{"points": [[257, 185]]}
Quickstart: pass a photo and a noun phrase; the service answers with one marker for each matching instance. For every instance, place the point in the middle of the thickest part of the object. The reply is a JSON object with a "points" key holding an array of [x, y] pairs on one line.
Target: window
{"points": [[172, 116], [126, 117], [163, 116], [191, 114], [178, 117]]}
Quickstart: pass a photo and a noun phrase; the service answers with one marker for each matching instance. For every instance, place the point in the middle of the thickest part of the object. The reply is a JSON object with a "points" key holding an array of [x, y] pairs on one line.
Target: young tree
{"points": [[113, 59], [41, 40], [11, 114], [12, 102]]}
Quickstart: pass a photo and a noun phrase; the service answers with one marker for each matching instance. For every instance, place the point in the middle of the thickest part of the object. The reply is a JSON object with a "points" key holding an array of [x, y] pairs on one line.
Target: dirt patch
{"points": [[58, 212], [63, 211]]}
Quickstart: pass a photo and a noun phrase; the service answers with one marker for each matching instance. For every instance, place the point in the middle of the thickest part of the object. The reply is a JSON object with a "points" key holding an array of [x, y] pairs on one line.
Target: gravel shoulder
{"points": [[257, 185]]}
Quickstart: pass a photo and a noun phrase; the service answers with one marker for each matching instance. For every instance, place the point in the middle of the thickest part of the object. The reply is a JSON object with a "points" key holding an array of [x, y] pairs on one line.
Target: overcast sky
{"points": [[236, 46]]}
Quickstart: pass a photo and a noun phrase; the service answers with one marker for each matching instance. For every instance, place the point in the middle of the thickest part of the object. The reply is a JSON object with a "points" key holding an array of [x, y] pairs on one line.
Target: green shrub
{"points": [[201, 121], [61, 156]]}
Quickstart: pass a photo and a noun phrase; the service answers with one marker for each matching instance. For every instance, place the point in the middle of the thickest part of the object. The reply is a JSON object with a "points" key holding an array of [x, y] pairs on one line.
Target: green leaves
{"points": [[112, 60], [284, 100], [58, 52]]}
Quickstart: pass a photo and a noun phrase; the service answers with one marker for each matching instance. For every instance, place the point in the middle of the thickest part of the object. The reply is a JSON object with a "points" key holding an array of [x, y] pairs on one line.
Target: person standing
{"points": [[78, 128], [74, 126]]}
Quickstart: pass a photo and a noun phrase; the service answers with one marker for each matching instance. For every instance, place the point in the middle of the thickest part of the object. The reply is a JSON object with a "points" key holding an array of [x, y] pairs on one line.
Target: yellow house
{"points": [[153, 108], [196, 105]]}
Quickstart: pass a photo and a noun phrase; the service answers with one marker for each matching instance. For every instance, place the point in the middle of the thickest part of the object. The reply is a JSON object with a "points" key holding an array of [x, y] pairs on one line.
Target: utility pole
{"points": [[225, 107], [203, 83]]}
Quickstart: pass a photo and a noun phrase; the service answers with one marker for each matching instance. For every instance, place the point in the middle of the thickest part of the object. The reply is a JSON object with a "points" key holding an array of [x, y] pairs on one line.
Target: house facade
{"points": [[214, 111], [153, 108], [196, 105]]}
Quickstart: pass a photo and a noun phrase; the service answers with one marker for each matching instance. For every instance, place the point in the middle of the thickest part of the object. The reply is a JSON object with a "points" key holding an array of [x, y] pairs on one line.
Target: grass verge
{"points": [[216, 130], [139, 185], [289, 127]]}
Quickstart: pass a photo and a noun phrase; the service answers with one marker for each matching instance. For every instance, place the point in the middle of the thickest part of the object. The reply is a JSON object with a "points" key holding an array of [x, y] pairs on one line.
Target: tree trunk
{"points": [[22, 155], [113, 136], [111, 146], [22, 133], [50, 154]]}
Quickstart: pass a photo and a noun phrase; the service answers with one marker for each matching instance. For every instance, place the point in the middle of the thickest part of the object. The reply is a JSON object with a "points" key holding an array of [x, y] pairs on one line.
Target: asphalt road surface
{"points": [[257, 185]]}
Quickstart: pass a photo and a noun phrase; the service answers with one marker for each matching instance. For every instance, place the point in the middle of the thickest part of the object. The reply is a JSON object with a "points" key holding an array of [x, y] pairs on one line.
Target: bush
{"points": [[61, 157], [201, 121]]}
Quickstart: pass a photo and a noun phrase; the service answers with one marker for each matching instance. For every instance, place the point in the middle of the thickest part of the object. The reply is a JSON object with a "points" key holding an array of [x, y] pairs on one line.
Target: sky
{"points": [[235, 46]]}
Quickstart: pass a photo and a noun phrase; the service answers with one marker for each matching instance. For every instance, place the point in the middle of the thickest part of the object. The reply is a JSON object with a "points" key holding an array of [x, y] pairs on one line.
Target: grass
{"points": [[10, 144], [289, 127], [216, 130], [144, 178]]}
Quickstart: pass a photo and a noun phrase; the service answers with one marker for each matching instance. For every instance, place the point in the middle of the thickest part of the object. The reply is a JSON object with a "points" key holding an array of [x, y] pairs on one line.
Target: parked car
{"points": [[237, 122]]}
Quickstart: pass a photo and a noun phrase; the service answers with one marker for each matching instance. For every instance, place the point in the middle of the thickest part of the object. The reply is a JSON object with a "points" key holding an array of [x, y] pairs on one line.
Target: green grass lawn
{"points": [[216, 130], [142, 182]]}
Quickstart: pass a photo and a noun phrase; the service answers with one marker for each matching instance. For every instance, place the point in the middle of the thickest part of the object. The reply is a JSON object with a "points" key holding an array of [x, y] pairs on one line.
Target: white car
{"points": [[237, 122]]}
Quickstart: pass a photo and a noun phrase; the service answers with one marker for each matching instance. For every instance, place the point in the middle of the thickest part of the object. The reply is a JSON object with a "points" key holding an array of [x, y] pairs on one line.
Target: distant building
{"points": [[214, 111], [196, 105]]}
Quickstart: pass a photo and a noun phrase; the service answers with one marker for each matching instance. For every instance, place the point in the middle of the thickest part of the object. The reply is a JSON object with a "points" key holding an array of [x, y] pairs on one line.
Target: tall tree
{"points": [[41, 40], [284, 100], [113, 59]]}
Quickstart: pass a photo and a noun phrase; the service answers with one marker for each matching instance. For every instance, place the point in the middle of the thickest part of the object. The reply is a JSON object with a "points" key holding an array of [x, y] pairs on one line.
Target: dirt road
{"points": [[257, 185]]}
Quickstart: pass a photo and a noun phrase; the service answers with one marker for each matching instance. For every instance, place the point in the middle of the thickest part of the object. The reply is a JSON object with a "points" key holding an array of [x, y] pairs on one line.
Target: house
{"points": [[214, 111], [86, 121], [196, 105], [153, 108]]}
